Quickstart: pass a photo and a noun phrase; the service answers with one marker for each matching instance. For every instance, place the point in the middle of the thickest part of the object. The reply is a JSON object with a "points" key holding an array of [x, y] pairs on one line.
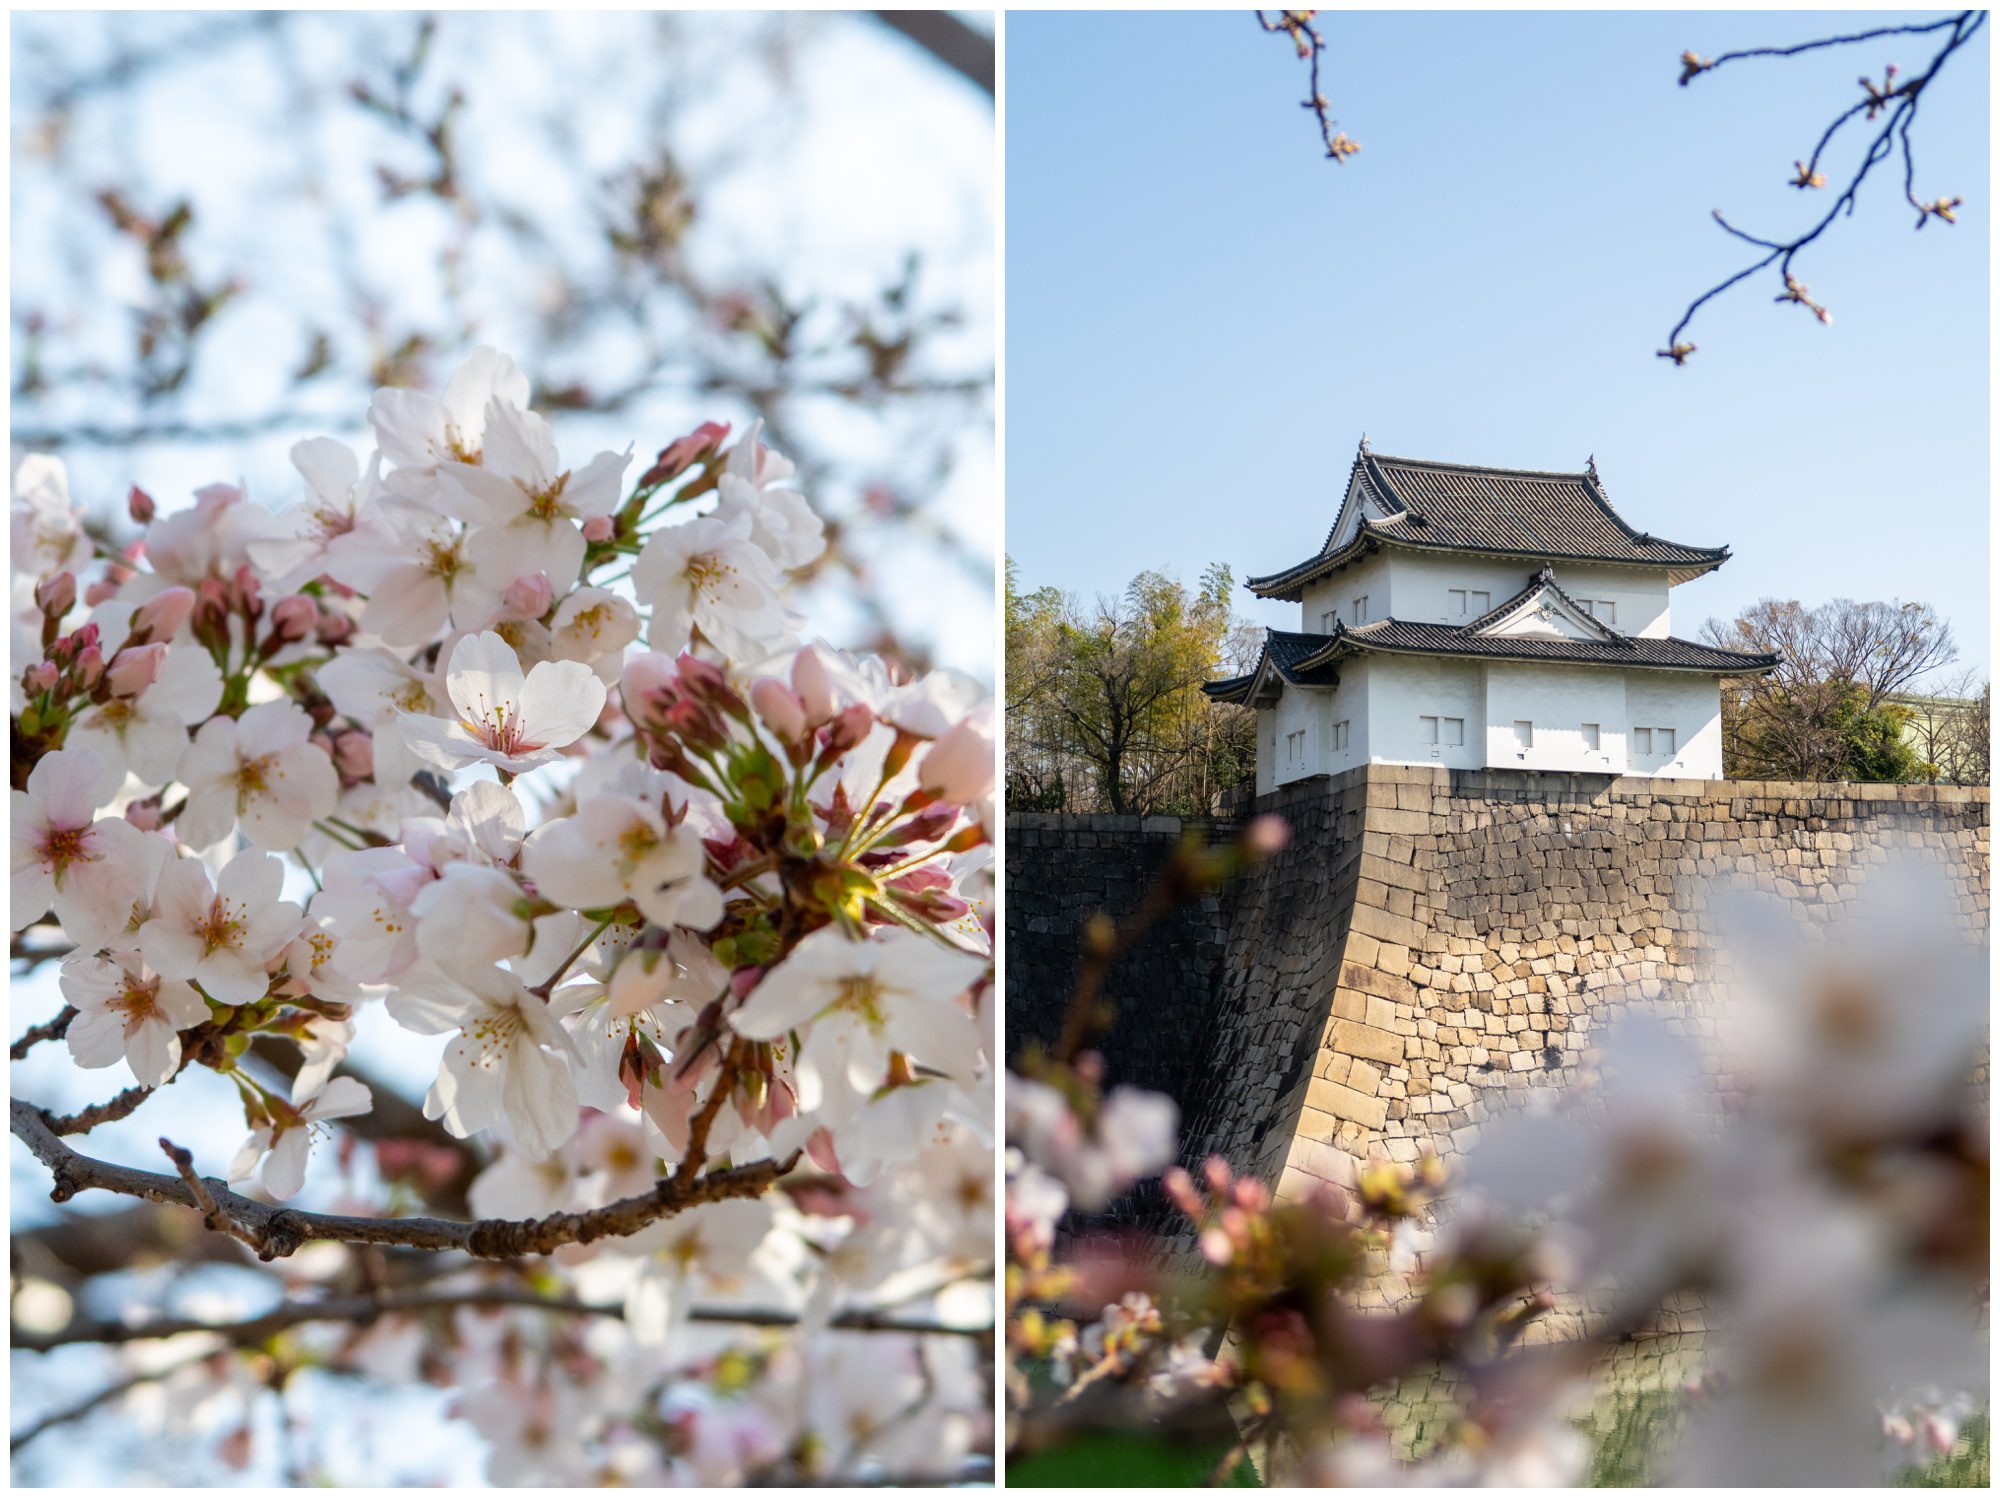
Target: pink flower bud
{"points": [[56, 596], [89, 667], [162, 616], [40, 677], [354, 755], [678, 456], [139, 504], [648, 678], [144, 814], [959, 766], [334, 629], [246, 592], [599, 528], [135, 668], [782, 712], [530, 596], [849, 727], [293, 618], [100, 590], [811, 684]]}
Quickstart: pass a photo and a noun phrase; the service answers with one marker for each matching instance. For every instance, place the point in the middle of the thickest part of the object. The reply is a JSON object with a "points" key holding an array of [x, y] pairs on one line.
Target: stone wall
{"points": [[1062, 870], [1432, 941]]}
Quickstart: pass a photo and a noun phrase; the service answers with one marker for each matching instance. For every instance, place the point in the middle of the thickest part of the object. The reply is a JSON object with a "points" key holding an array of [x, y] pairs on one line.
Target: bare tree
{"points": [[1827, 706]]}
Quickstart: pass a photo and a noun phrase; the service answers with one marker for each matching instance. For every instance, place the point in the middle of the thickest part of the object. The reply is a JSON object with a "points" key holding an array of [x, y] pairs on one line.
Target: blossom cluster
{"points": [[1814, 1170], [543, 763]]}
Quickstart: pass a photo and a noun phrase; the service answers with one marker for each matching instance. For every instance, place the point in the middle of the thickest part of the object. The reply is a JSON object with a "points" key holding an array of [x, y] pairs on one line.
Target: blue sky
{"points": [[1204, 314]]}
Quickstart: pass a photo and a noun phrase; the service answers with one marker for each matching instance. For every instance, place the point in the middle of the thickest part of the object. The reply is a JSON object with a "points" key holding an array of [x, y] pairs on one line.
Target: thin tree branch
{"points": [[363, 1309], [1298, 25], [280, 1231], [54, 1029], [101, 1397], [1898, 101]]}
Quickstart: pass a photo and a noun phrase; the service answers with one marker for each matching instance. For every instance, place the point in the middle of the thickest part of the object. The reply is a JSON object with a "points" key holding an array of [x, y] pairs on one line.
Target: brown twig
{"points": [[280, 1231], [1298, 25], [1897, 100], [365, 1308], [54, 1029]]}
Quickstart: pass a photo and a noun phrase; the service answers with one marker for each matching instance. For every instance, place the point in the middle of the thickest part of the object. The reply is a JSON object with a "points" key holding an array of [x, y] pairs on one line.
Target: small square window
{"points": [[1590, 736], [1481, 602], [1340, 734], [1642, 741], [1454, 732], [1326, 620], [1606, 610], [1429, 729], [1586, 605], [1457, 603], [1524, 734], [1663, 740], [1361, 609]]}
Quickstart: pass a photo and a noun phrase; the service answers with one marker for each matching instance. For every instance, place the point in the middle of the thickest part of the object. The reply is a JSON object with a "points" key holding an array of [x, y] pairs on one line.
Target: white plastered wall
{"points": [[1421, 587], [1371, 579], [1403, 689], [1558, 701], [1314, 711], [1691, 706]]}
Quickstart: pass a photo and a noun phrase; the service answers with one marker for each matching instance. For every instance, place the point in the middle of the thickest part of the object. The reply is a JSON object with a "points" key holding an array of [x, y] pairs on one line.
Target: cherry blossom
{"points": [[510, 1059], [276, 1151], [90, 871], [513, 721], [146, 733], [524, 506], [222, 935], [856, 1002], [708, 574], [617, 849], [259, 773], [127, 1012], [419, 432]]}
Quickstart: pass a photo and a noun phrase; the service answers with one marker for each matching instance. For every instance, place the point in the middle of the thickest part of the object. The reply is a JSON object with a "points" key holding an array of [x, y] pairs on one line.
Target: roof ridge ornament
{"points": [[1590, 465]]}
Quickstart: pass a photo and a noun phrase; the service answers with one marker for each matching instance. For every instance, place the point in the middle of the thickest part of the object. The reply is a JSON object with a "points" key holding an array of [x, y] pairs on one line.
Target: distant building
{"points": [[1485, 618]]}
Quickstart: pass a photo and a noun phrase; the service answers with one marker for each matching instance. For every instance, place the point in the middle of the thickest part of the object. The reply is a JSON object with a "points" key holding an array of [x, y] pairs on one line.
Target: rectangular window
{"points": [[1590, 736], [1361, 609], [1480, 601], [1454, 732], [1607, 611], [1428, 729], [1340, 734], [1642, 741], [1586, 605], [1524, 734], [1326, 621], [1458, 603], [1663, 740], [1295, 747]]}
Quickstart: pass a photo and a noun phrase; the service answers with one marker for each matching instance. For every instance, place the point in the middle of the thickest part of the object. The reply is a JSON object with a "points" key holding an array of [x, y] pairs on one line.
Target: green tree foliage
{"points": [[1104, 704]]}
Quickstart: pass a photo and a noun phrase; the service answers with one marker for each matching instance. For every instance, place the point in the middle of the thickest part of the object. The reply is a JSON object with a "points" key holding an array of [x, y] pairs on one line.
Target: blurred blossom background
{"points": [[229, 229]]}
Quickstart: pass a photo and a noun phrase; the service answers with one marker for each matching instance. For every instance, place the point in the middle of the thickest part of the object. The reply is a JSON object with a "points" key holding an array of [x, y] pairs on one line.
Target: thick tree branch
{"points": [[967, 51], [280, 1231]]}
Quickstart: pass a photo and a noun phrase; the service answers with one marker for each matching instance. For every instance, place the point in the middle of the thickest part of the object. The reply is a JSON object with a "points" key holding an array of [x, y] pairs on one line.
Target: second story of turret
{"points": [[1442, 543]]}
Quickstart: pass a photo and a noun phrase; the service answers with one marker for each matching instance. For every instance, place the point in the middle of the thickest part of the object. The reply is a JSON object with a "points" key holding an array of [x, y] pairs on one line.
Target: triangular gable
{"points": [[1542, 611], [1362, 500]]}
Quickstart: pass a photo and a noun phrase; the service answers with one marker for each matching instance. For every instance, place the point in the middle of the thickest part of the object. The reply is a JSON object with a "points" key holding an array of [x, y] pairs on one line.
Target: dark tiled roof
{"points": [[1284, 650], [1315, 667], [1511, 511]]}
